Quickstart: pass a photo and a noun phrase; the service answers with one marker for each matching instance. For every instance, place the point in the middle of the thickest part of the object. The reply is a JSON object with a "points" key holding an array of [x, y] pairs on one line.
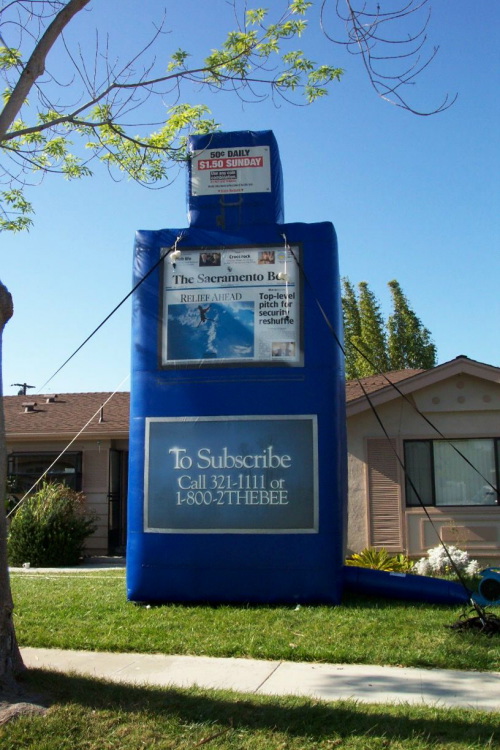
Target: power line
{"points": [[146, 275]]}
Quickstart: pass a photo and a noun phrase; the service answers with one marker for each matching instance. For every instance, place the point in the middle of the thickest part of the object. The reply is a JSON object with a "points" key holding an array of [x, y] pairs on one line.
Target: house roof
{"points": [[66, 414], [357, 388], [380, 387]]}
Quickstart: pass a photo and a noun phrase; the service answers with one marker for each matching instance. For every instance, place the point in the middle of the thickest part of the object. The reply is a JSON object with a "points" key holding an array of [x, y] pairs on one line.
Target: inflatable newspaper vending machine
{"points": [[237, 483]]}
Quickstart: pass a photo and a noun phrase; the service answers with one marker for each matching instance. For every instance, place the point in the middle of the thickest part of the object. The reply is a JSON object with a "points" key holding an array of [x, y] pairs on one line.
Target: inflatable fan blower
{"points": [[488, 592]]}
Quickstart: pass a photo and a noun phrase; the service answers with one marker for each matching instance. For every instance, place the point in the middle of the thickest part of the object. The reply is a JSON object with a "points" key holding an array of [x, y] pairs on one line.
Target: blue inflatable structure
{"points": [[237, 479], [237, 482], [404, 586], [488, 593]]}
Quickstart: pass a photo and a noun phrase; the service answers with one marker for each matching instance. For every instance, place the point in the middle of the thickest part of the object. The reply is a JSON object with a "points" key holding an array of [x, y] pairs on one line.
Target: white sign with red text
{"points": [[224, 171]]}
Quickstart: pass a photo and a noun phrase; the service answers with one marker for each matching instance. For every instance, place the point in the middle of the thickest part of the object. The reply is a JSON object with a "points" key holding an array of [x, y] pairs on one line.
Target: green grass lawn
{"points": [[92, 715], [90, 611]]}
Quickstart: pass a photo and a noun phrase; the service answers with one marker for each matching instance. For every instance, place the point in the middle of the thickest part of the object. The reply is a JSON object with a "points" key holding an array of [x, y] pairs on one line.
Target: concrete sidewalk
{"points": [[89, 563], [329, 682]]}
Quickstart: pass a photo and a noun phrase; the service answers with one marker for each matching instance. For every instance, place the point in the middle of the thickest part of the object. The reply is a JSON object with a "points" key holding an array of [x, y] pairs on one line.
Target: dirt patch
{"points": [[15, 704]]}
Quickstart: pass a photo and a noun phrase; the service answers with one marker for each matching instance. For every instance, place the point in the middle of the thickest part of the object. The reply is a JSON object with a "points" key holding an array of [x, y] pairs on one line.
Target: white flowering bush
{"points": [[437, 563]]}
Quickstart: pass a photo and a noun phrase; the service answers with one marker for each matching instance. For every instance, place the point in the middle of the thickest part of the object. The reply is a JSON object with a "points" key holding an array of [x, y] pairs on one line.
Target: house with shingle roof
{"points": [[442, 425], [424, 459], [93, 428]]}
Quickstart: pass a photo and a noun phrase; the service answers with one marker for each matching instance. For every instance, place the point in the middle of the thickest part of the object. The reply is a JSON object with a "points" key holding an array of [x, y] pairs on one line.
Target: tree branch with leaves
{"points": [[256, 60], [41, 133]]}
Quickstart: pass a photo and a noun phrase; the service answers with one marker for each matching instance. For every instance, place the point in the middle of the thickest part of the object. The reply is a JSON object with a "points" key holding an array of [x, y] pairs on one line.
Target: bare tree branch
{"points": [[367, 31]]}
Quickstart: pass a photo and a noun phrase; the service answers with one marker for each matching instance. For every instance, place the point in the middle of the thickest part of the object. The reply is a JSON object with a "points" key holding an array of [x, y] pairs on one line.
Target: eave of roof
{"points": [[381, 388], [372, 383]]}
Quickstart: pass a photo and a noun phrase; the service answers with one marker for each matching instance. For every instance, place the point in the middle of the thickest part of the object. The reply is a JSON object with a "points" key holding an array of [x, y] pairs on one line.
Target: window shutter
{"points": [[385, 518]]}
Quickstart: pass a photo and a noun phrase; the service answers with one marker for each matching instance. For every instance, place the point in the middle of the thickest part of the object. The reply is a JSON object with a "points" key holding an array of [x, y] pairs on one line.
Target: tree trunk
{"points": [[10, 656]]}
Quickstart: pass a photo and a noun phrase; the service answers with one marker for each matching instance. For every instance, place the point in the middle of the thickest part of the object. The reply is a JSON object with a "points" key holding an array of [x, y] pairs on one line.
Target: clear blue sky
{"points": [[412, 198]]}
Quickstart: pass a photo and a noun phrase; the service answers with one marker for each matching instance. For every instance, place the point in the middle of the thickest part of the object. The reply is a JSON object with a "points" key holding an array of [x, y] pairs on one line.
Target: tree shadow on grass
{"points": [[310, 720]]}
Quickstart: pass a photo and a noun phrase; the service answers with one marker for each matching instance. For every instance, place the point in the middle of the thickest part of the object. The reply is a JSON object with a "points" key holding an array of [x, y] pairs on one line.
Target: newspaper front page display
{"points": [[236, 305]]}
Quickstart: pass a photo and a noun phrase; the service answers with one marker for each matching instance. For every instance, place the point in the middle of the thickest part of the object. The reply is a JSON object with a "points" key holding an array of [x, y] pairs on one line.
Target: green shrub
{"points": [[10, 497], [378, 558], [50, 528]]}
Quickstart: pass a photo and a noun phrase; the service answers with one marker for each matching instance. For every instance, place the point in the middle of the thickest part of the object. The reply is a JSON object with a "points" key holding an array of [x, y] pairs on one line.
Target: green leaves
{"points": [[409, 342], [16, 211], [377, 558], [303, 71], [9, 58], [256, 16], [149, 158], [299, 6], [374, 346], [365, 338], [247, 53], [178, 60], [50, 527]]}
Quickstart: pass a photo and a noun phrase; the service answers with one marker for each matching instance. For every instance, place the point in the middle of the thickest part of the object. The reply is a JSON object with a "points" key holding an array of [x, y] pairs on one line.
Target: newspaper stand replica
{"points": [[237, 441]]}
